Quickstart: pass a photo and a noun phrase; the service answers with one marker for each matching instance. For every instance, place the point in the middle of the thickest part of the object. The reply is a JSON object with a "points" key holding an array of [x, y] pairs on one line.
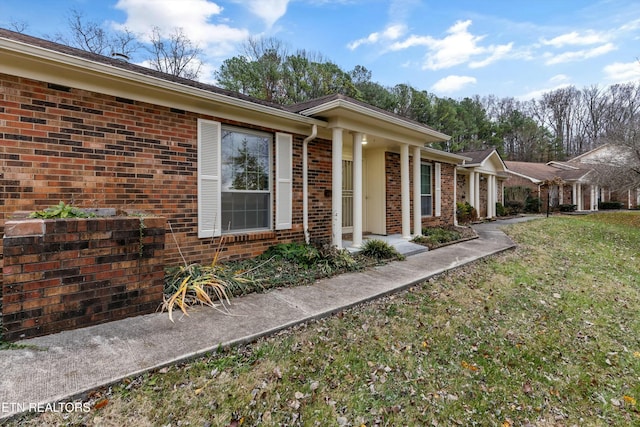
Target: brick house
{"points": [[100, 132], [572, 182], [554, 184]]}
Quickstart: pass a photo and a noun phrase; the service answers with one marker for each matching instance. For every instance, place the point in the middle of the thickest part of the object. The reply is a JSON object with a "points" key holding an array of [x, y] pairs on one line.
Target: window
{"points": [[245, 172], [425, 189], [236, 180]]}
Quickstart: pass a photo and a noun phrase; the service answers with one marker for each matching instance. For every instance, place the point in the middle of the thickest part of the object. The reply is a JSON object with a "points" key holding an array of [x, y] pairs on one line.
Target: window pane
{"points": [[245, 211], [425, 179], [426, 205], [245, 160]]}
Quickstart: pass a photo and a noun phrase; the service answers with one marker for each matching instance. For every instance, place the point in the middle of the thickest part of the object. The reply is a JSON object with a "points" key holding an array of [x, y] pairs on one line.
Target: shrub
{"points": [[609, 205], [567, 207], [514, 207], [438, 235], [320, 256], [299, 253], [465, 212], [380, 250], [500, 210], [532, 205]]}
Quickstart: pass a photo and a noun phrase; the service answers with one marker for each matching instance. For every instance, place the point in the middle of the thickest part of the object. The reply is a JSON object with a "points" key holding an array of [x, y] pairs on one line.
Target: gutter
{"points": [[305, 182]]}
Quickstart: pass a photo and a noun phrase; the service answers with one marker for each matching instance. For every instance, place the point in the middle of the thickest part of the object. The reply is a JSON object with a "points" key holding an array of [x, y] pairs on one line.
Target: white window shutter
{"points": [[438, 203], [284, 181], [209, 182]]}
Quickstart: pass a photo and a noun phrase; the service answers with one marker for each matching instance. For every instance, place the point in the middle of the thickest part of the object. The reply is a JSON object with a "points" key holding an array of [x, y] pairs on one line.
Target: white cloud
{"points": [[453, 83], [499, 52], [559, 81], [559, 78], [268, 10], [192, 16], [392, 32], [458, 47], [619, 72], [579, 55], [574, 38]]}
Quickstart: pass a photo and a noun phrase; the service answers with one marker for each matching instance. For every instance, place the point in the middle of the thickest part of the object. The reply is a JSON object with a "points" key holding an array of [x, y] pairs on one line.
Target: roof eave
{"points": [[66, 60], [378, 115]]}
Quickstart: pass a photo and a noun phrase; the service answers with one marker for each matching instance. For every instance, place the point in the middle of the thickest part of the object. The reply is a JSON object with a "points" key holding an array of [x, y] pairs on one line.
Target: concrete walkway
{"points": [[61, 366]]}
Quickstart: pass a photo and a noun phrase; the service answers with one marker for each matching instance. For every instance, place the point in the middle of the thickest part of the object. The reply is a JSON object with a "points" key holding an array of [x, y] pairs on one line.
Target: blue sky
{"points": [[452, 48]]}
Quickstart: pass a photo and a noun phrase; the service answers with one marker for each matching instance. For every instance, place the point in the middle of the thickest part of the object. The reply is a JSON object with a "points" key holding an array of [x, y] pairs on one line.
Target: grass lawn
{"points": [[546, 335]]}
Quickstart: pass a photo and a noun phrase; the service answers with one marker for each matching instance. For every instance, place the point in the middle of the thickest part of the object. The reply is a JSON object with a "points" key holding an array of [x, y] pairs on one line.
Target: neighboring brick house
{"points": [[609, 154], [554, 184], [480, 181], [99, 132]]}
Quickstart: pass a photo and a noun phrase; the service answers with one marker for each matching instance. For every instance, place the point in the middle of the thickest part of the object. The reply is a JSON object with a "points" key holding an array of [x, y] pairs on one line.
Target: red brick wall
{"points": [[394, 195], [448, 203], [394, 192], [97, 150], [64, 274], [461, 190]]}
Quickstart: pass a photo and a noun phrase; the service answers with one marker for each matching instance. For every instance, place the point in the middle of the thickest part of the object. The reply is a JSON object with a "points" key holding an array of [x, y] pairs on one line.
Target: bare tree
{"points": [[93, 37], [19, 26], [175, 54]]}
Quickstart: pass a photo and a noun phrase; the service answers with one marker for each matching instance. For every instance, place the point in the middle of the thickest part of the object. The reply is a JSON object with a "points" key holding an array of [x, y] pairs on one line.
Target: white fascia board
{"points": [[67, 60], [439, 154], [534, 180], [341, 103]]}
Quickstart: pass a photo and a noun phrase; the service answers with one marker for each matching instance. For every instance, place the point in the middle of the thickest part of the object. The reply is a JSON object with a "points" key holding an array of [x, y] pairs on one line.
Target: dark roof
{"points": [[543, 171], [477, 156], [118, 63]]}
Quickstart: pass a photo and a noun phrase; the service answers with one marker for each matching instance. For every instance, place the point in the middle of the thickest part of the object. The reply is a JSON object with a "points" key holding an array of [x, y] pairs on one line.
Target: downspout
{"points": [[305, 182]]}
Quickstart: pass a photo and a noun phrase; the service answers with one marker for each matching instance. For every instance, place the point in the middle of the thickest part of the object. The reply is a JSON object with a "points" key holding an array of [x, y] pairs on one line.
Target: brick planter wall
{"points": [[62, 274]]}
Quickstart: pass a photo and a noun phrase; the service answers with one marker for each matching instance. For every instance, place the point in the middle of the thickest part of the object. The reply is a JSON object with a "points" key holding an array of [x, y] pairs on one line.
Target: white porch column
{"points": [[580, 203], [417, 191], [357, 190], [336, 188], [491, 196], [404, 190], [476, 201], [455, 195], [471, 185], [574, 195]]}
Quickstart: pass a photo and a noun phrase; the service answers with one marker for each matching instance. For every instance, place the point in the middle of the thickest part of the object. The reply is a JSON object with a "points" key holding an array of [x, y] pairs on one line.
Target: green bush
{"points": [[299, 253], [567, 207], [379, 250], [609, 205], [514, 207], [321, 256], [500, 210], [532, 205], [465, 212], [438, 235]]}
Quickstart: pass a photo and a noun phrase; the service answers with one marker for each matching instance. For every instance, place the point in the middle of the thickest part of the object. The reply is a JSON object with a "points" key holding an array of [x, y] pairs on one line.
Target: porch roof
{"points": [[540, 172]]}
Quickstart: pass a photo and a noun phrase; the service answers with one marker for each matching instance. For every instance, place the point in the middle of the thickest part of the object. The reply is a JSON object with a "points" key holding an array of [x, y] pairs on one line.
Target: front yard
{"points": [[548, 334]]}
